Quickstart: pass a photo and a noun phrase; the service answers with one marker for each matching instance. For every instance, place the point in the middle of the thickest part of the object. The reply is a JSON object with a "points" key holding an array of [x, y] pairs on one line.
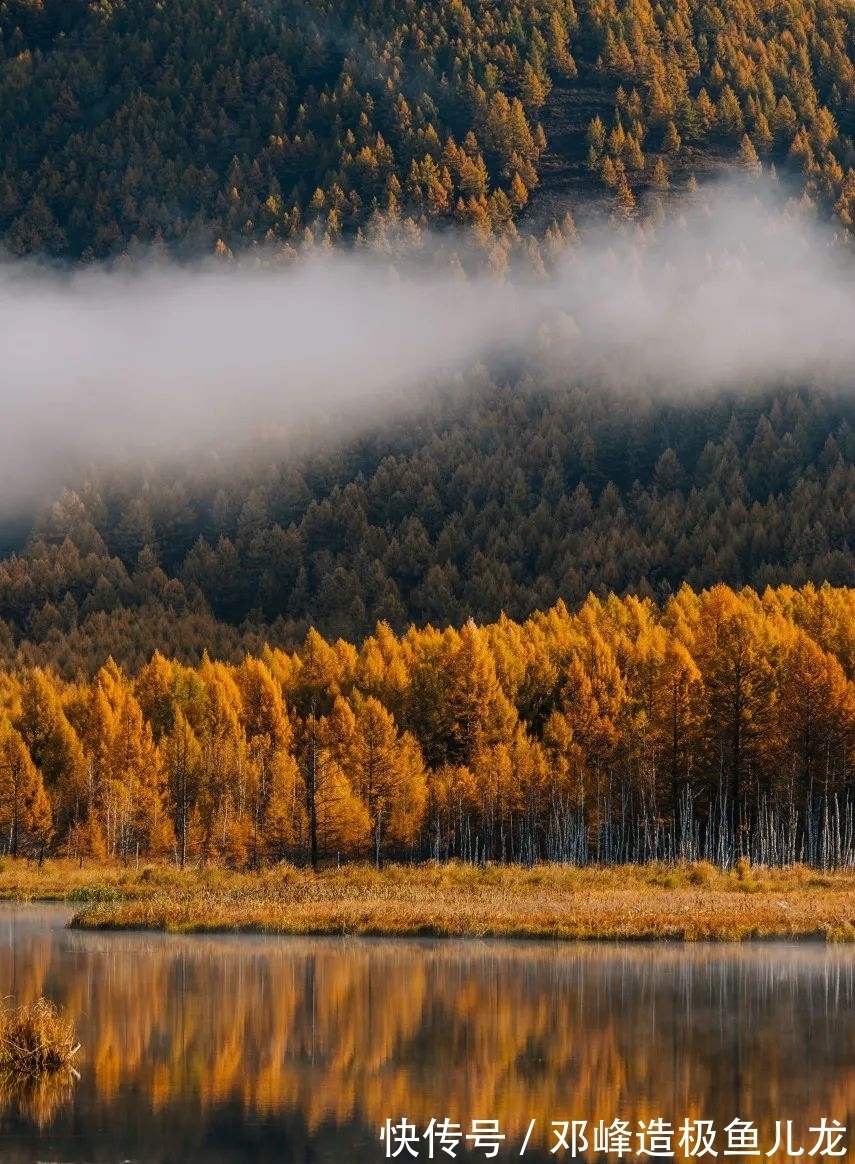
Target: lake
{"points": [[226, 1049]]}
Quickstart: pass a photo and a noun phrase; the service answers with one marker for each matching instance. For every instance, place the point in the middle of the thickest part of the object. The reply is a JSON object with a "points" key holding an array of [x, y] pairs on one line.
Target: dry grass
{"points": [[36, 1041], [56, 880], [686, 903]]}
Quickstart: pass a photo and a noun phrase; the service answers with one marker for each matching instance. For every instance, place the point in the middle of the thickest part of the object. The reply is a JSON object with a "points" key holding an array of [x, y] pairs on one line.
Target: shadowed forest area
{"points": [[505, 502]]}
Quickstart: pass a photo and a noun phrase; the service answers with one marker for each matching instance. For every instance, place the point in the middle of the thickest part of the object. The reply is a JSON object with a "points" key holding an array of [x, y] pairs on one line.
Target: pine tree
{"points": [[55, 749], [748, 159], [182, 759], [386, 771], [659, 178], [25, 812], [624, 199], [671, 140], [518, 193]]}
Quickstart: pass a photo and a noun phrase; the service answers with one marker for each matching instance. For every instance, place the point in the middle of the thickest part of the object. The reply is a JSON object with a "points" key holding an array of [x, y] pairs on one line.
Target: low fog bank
{"points": [[106, 365], [736, 292]]}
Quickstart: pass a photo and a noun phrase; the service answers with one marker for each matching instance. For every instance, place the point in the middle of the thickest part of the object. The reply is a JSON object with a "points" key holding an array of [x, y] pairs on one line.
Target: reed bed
{"points": [[685, 902], [36, 1040]]}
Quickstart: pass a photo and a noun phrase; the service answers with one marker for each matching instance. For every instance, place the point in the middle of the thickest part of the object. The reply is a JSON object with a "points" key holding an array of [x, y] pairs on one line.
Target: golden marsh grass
{"points": [[36, 1040], [684, 902]]}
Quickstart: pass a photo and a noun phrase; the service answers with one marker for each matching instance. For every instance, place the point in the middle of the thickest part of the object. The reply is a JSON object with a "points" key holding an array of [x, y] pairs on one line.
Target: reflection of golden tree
{"points": [[343, 1031]]}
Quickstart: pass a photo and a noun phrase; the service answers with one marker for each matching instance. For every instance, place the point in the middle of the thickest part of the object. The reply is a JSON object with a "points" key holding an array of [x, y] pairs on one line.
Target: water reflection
{"points": [[234, 1048]]}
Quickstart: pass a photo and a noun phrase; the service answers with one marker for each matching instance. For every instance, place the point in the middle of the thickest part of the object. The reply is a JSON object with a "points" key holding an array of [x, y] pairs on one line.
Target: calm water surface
{"points": [[265, 1049]]}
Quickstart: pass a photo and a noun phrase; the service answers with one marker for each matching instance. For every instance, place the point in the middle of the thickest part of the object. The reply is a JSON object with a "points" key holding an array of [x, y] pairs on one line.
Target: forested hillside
{"points": [[504, 503], [201, 126]]}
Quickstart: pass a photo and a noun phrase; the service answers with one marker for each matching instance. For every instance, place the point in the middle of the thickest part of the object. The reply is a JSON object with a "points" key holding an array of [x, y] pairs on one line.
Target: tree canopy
{"points": [[202, 127]]}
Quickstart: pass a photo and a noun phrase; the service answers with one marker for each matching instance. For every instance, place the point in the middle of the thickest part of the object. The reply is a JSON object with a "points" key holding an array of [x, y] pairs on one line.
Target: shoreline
{"points": [[682, 903]]}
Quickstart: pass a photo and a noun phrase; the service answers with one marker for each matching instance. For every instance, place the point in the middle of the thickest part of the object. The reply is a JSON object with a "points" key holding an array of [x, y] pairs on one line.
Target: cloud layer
{"points": [[106, 365]]}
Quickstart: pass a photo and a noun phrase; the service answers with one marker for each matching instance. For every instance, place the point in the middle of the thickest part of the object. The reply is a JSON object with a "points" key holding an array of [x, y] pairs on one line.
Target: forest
{"points": [[718, 725], [202, 128], [503, 500], [542, 619]]}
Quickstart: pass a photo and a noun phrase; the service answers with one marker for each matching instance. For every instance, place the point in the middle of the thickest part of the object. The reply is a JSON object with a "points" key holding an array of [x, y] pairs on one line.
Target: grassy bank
{"points": [[692, 902]]}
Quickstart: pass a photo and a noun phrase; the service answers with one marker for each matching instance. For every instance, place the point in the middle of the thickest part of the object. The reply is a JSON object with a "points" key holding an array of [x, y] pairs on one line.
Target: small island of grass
{"points": [[688, 902]]}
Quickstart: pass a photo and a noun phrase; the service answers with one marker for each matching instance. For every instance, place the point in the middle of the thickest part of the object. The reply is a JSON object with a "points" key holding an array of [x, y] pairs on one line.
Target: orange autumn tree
{"points": [[386, 771], [618, 731], [56, 751], [26, 820], [273, 771], [127, 789], [317, 682]]}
